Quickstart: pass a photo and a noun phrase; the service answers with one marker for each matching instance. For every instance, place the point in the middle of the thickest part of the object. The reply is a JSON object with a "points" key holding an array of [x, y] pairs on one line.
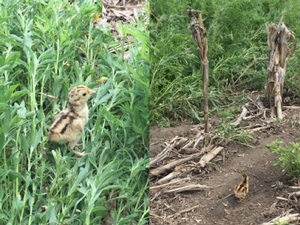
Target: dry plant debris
{"points": [[278, 43], [172, 170], [124, 12]]}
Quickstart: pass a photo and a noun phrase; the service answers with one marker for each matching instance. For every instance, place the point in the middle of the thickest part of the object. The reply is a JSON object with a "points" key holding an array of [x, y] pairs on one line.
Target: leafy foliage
{"points": [[49, 47], [227, 132], [237, 54], [288, 157]]}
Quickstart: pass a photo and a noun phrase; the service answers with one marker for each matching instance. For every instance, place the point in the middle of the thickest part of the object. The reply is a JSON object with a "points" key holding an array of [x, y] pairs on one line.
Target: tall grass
{"points": [[49, 47], [237, 54]]}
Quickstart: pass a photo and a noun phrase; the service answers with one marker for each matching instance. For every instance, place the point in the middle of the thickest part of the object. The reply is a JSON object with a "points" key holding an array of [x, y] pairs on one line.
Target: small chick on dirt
{"points": [[242, 189], [69, 123]]}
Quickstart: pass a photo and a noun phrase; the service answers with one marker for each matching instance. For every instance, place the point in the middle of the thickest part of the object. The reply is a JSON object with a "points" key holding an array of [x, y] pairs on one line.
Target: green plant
{"points": [[48, 48], [227, 132], [278, 222], [213, 165], [295, 123], [288, 157], [237, 54]]}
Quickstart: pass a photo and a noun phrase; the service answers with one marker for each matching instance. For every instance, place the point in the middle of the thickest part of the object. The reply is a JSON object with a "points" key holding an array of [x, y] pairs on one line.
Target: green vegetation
{"points": [[238, 57], [288, 157], [277, 222], [227, 132], [49, 47]]}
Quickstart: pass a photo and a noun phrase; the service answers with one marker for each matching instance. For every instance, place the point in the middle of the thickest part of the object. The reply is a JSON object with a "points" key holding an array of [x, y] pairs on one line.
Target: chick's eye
{"points": [[84, 94]]}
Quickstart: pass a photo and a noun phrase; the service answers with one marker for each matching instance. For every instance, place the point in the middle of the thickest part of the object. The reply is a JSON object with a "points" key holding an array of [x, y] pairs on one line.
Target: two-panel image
{"points": [[124, 112]]}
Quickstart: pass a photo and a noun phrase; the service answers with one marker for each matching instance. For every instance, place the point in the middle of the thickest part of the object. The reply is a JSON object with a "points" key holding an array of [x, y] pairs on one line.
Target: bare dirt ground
{"points": [[266, 181]]}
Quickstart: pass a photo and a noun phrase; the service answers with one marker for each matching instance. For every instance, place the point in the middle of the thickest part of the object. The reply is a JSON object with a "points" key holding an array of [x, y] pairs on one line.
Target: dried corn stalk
{"points": [[278, 39], [199, 32]]}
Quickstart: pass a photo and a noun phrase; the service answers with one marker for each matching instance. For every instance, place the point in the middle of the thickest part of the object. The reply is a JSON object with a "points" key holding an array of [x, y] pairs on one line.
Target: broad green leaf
{"points": [[21, 111], [24, 143], [37, 138]]}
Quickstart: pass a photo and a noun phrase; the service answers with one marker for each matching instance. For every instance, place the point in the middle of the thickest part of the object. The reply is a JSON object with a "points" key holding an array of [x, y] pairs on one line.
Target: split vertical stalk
{"points": [[278, 40]]}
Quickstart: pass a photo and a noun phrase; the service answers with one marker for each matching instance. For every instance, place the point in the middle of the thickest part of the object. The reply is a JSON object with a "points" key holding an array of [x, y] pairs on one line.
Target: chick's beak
{"points": [[92, 92]]}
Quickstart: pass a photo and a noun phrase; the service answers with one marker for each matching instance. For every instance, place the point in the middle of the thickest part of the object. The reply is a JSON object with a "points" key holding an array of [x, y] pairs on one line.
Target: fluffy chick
{"points": [[242, 189], [69, 123]]}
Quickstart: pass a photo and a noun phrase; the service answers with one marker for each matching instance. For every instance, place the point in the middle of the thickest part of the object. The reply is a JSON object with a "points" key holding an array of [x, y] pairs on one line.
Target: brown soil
{"points": [[212, 206]]}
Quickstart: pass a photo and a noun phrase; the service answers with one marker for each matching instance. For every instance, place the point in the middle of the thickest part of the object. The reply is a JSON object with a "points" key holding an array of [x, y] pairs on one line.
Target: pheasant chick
{"points": [[242, 189], [69, 123]]}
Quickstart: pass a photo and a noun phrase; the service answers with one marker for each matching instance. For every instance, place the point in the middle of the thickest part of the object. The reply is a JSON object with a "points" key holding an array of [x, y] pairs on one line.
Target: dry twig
{"points": [[171, 165], [170, 183], [164, 153], [209, 156], [190, 187], [183, 211]]}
